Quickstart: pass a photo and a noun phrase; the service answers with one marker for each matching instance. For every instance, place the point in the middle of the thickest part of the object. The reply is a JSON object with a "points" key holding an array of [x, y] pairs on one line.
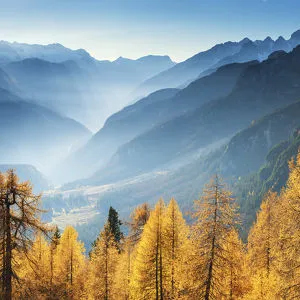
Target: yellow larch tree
{"points": [[235, 275], [176, 247], [138, 219], [20, 221], [262, 243], [147, 275], [216, 217], [70, 263], [104, 259], [121, 282], [35, 271], [288, 228]]}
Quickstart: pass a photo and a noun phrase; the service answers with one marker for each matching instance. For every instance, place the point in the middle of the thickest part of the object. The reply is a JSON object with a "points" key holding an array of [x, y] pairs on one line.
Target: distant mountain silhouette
{"points": [[56, 53], [217, 56], [35, 135], [54, 85], [74, 83]]}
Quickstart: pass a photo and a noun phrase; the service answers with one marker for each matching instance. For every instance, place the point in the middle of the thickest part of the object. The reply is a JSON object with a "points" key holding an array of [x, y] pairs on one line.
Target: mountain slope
{"points": [[155, 109], [273, 174], [189, 69], [53, 85], [34, 134], [6, 82], [260, 89], [219, 55], [249, 150]]}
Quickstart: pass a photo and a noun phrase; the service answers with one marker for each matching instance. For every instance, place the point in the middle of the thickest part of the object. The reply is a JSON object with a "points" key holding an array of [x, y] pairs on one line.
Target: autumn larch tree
{"points": [[20, 220], [262, 244], [104, 257], [138, 219], [216, 216], [176, 247], [70, 263], [288, 228], [148, 273]]}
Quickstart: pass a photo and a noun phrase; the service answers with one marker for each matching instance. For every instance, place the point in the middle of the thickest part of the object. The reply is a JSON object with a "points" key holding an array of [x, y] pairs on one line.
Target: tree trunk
{"points": [[106, 272], [3, 247], [210, 268], [160, 260], [7, 276], [156, 266], [173, 254]]}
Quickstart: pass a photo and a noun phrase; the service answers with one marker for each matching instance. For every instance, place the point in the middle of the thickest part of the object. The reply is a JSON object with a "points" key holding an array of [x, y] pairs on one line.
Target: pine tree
{"points": [[114, 225], [55, 239], [216, 217]]}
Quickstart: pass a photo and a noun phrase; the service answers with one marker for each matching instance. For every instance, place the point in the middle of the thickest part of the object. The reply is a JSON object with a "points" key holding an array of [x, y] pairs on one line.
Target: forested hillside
{"points": [[161, 257]]}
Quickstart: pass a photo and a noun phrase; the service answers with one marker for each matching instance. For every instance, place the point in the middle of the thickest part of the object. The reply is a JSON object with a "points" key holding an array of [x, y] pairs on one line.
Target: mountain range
{"points": [[166, 127], [217, 56], [74, 83], [177, 126]]}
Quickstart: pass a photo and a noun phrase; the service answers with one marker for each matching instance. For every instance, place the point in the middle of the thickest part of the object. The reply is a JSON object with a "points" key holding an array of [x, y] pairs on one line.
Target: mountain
{"points": [[6, 82], [188, 69], [143, 67], [74, 83], [260, 89], [53, 85], [28, 172], [157, 108], [56, 53], [217, 56], [35, 135]]}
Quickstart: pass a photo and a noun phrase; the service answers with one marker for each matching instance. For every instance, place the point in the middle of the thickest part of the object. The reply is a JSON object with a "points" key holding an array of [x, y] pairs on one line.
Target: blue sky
{"points": [[133, 28]]}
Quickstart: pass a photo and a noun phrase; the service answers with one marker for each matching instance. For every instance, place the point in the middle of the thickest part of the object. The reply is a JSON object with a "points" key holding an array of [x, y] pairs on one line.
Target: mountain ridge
{"points": [[244, 50]]}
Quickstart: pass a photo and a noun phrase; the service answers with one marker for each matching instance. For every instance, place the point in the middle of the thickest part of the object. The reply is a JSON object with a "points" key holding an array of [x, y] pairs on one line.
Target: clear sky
{"points": [[133, 28]]}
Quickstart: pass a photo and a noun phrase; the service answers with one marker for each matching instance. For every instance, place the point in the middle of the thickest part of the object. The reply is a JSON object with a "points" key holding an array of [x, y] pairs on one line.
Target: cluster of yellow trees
{"points": [[165, 258]]}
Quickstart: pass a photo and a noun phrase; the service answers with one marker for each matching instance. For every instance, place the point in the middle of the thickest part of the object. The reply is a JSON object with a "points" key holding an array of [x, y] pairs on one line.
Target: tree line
{"points": [[162, 257]]}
